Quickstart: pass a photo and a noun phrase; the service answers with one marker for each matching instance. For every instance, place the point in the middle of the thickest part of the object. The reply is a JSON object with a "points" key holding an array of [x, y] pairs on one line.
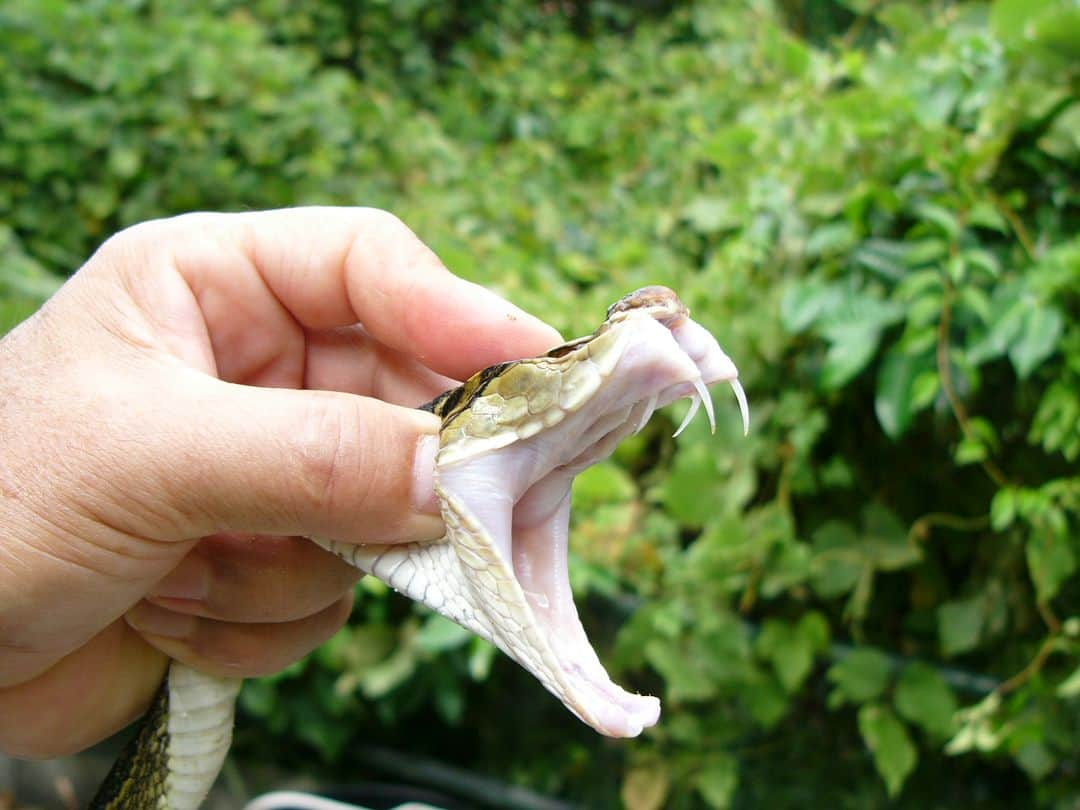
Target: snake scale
{"points": [[511, 441]]}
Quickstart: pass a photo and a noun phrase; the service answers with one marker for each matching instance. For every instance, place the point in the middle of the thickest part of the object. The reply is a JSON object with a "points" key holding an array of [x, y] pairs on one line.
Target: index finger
{"points": [[333, 267]]}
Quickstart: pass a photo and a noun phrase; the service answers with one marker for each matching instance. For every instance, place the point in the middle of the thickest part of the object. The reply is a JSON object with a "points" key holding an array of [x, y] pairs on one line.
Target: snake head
{"points": [[663, 305], [507, 461], [513, 438]]}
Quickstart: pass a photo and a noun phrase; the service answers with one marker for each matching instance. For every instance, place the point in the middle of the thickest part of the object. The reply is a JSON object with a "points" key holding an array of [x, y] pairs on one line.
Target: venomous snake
{"points": [[512, 439]]}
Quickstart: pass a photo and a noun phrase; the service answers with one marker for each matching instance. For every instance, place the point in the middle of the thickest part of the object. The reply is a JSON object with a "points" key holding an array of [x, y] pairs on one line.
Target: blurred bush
{"points": [[871, 600]]}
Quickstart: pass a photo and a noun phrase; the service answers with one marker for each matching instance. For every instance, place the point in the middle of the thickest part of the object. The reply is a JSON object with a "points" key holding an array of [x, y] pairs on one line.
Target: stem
{"points": [[945, 375], [920, 529], [1034, 666], [1016, 224], [1052, 621], [857, 27]]}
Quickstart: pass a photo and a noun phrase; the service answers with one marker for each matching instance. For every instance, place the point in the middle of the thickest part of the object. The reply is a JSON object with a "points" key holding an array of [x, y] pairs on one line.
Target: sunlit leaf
{"points": [[960, 624], [894, 754], [1037, 340], [645, 787], [923, 697], [1051, 560], [893, 402]]}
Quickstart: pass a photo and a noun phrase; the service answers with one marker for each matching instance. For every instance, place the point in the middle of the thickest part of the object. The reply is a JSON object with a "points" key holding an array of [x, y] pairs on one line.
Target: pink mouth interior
{"points": [[522, 495]]}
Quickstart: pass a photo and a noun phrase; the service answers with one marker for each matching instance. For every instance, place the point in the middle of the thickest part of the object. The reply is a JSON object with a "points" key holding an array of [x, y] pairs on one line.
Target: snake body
{"points": [[511, 441]]}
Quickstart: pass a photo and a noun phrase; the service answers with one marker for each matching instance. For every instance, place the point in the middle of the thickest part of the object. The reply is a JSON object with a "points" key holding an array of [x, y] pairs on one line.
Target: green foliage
{"points": [[872, 204]]}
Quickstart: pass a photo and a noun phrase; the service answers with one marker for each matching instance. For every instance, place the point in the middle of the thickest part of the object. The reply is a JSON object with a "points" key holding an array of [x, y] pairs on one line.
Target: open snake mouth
{"points": [[511, 447]]}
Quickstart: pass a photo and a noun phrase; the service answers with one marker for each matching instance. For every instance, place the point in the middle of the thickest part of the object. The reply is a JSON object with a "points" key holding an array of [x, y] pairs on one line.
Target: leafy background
{"points": [[871, 601]]}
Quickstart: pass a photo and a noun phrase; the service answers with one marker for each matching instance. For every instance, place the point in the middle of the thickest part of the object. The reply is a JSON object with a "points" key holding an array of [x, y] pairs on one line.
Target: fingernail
{"points": [[157, 621], [190, 580], [423, 494]]}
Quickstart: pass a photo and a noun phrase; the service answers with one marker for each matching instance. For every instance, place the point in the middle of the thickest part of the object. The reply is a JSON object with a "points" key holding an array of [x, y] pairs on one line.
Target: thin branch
{"points": [[1034, 666], [944, 367], [920, 529], [856, 28], [1053, 623], [1016, 224]]}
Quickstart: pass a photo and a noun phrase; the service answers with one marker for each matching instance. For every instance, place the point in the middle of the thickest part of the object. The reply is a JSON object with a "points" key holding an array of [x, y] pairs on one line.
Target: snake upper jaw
{"points": [[519, 497]]}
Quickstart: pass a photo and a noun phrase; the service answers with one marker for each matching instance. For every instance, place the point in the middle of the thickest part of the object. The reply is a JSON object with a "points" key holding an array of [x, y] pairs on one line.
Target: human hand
{"points": [[160, 465]]}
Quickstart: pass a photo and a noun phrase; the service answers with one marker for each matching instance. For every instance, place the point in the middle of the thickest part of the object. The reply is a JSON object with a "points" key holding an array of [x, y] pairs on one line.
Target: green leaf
{"points": [[1070, 687], [259, 697], [686, 678], [380, 679], [1038, 339], [449, 701], [851, 348], [766, 700], [895, 756], [970, 451], [815, 628], [1036, 759], [831, 238], [712, 214], [804, 302], [691, 488], [924, 698], [646, 786], [790, 651], [886, 258], [716, 782], [439, 633], [837, 561], [941, 217], [985, 214], [854, 330], [893, 401], [481, 657], [1002, 509], [1008, 311], [924, 389], [886, 543], [860, 676], [960, 625], [980, 729], [602, 483], [1012, 19], [1051, 561]]}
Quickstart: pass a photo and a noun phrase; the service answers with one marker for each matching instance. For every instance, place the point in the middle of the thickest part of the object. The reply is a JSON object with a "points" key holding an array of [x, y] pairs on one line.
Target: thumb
{"points": [[314, 463]]}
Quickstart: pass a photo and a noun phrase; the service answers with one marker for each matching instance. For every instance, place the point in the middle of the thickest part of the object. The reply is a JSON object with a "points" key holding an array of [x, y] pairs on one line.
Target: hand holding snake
{"points": [[191, 338], [218, 337]]}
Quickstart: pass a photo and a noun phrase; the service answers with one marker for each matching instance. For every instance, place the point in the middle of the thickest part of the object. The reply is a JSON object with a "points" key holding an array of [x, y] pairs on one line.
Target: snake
{"points": [[512, 438]]}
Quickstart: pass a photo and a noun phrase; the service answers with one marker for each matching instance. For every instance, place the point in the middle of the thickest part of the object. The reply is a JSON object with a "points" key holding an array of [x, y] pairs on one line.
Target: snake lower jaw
{"points": [[517, 497]]}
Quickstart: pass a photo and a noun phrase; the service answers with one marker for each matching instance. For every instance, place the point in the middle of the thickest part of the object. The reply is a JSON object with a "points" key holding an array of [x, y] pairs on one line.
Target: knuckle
{"points": [[381, 220], [134, 238], [331, 455]]}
